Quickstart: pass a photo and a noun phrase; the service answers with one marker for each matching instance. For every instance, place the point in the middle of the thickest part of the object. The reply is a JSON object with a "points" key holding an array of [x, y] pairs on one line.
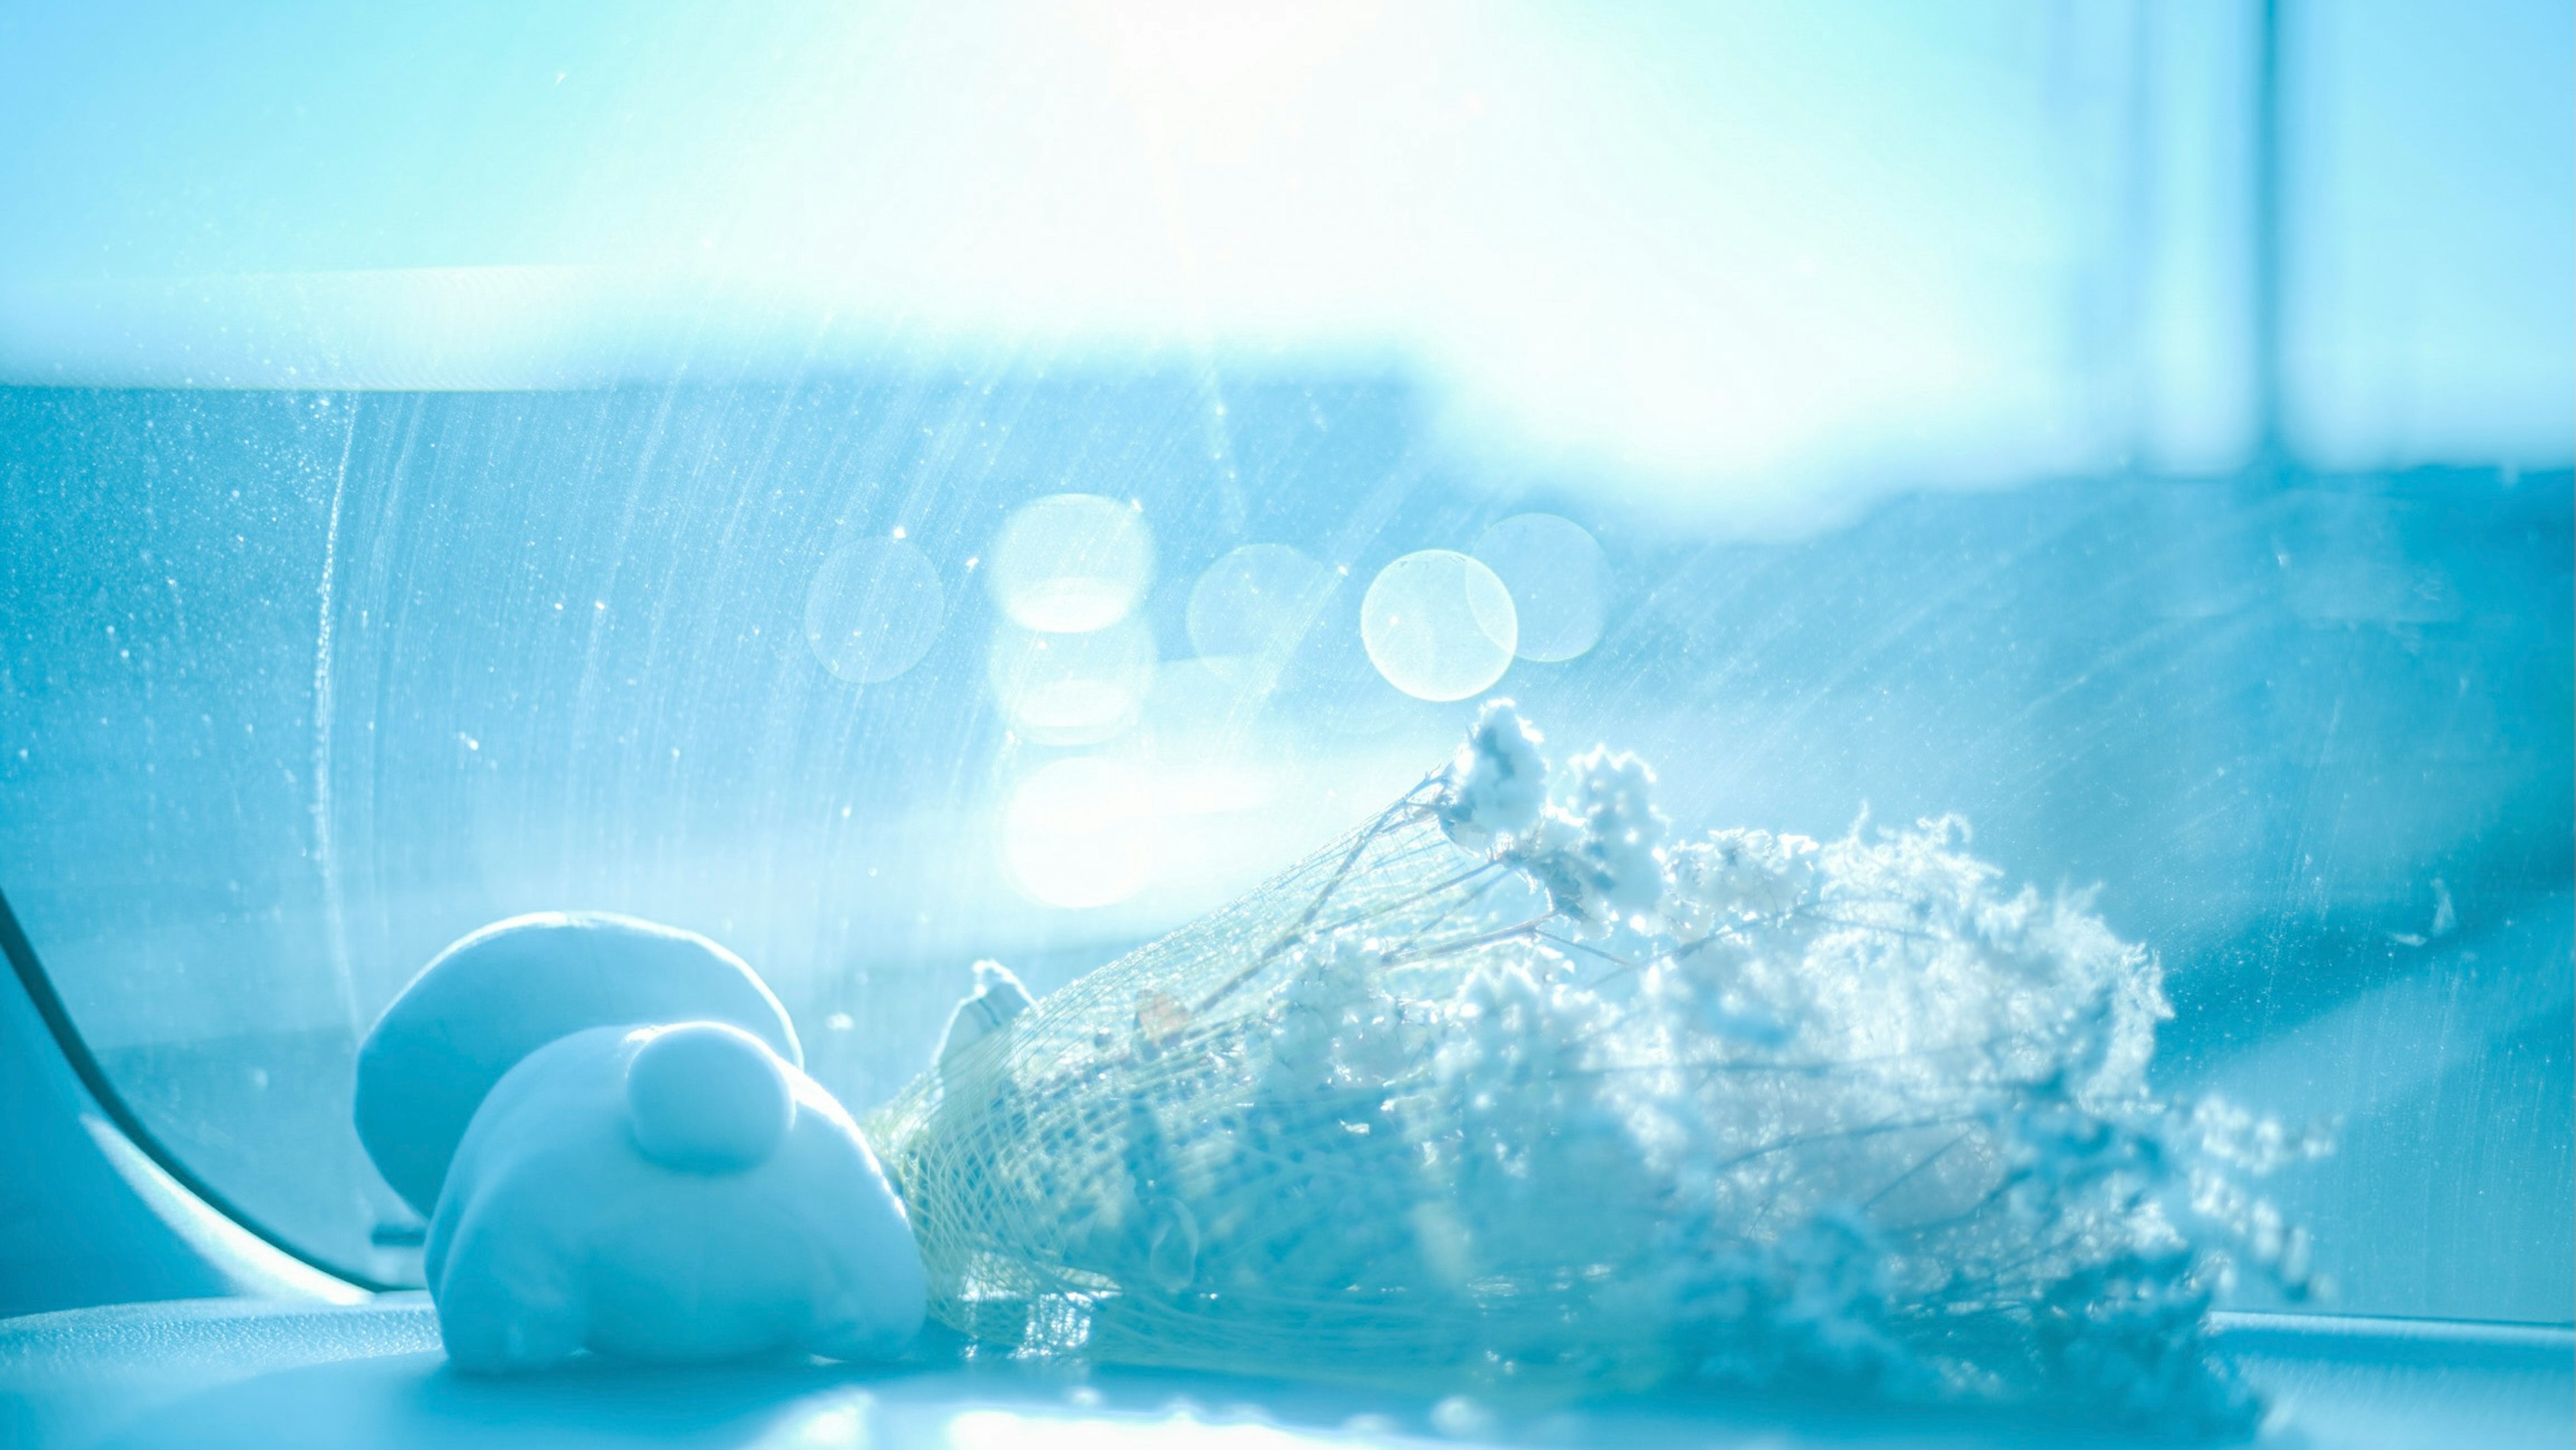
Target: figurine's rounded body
{"points": [[667, 1193]]}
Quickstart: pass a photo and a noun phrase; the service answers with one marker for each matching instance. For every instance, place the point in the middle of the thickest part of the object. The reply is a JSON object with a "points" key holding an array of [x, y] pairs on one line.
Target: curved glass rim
{"points": [[30, 970]]}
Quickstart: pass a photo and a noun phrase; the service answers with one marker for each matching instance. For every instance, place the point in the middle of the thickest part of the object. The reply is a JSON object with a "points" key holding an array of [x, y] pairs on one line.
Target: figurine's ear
{"points": [[511, 988]]}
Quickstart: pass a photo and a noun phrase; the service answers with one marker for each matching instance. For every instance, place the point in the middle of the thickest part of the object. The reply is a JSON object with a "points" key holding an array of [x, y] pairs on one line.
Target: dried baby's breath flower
{"points": [[1510, 1085]]}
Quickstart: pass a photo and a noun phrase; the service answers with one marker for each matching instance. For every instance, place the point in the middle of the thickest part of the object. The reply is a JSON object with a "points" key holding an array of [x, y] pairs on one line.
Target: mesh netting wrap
{"points": [[1503, 1086]]}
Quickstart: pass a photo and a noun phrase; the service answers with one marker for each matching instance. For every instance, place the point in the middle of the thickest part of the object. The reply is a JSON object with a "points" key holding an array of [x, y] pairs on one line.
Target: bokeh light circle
{"points": [[1439, 625], [1559, 579], [1250, 610], [1070, 563], [1082, 833], [1072, 689], [873, 610]]}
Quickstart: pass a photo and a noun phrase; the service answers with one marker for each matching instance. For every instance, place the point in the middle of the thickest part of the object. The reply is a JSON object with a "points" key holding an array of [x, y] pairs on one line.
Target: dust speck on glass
{"points": [[743, 482]]}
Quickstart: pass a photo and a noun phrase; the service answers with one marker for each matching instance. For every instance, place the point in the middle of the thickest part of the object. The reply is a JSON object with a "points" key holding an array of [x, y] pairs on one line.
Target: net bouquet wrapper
{"points": [[1505, 1088]]}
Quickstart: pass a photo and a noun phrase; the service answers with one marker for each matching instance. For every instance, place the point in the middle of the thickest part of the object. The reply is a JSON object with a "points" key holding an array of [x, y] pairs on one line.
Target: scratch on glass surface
{"points": [[326, 851]]}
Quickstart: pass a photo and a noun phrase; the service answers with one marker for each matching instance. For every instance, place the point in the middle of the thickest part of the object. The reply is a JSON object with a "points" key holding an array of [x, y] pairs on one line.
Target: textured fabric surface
{"points": [[69, 1376]]}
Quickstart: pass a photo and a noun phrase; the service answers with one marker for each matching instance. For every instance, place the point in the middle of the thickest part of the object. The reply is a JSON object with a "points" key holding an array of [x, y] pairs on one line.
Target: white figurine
{"points": [[622, 1154]]}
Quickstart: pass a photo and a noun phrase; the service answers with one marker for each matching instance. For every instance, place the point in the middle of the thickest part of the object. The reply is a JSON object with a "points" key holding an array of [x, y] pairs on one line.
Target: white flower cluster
{"points": [[1857, 1091], [1595, 842], [1498, 784]]}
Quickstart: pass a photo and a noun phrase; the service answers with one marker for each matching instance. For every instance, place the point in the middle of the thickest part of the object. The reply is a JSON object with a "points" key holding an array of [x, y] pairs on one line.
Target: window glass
{"points": [[901, 487]]}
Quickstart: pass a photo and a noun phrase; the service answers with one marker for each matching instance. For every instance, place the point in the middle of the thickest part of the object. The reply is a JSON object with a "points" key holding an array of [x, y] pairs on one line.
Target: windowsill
{"points": [[216, 1373]]}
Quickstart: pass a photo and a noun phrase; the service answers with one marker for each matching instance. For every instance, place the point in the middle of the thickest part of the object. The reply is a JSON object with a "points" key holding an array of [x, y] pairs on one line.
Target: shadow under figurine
{"points": [[608, 1126]]}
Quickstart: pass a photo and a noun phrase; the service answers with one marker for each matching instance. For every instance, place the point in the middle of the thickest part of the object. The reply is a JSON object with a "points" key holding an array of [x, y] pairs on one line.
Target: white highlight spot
{"points": [[1072, 562], [1082, 833], [1072, 689], [873, 610], [1014, 1430], [1439, 625], [1559, 579], [1252, 608]]}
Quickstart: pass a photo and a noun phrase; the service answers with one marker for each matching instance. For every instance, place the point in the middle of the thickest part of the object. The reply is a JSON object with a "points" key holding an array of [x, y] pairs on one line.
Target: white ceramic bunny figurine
{"points": [[608, 1126]]}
